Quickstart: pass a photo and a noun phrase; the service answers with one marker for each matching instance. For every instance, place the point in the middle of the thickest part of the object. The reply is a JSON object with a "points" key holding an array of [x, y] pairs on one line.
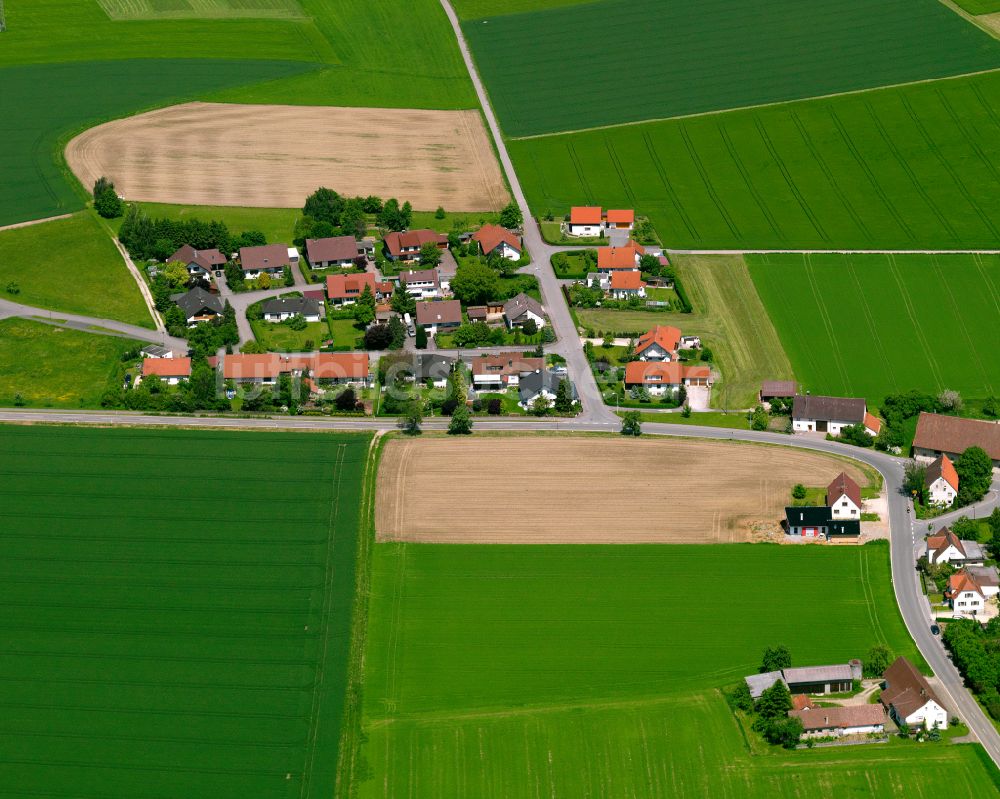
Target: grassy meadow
{"points": [[905, 168], [587, 671], [70, 265], [162, 639], [634, 60], [869, 325], [55, 368]]}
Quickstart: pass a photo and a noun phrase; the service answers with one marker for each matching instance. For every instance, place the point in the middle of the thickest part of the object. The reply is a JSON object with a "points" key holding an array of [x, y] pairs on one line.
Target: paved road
{"points": [[244, 300], [91, 324]]}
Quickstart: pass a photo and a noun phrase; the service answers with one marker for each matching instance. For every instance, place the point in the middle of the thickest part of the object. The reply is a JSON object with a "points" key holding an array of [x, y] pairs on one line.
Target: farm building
{"points": [[777, 389], [199, 306], [909, 698], [941, 481], [268, 259], [836, 722], [814, 413], [493, 238], [843, 498], [278, 310], [660, 343], [334, 252], [835, 679], [441, 315], [949, 435], [520, 309], [659, 377], [421, 284], [946, 547], [199, 263], [169, 370], [586, 220], [406, 246]]}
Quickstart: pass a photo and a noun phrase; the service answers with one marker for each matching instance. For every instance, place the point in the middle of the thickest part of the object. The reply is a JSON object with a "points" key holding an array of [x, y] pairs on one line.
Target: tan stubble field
{"points": [[274, 156], [588, 490]]}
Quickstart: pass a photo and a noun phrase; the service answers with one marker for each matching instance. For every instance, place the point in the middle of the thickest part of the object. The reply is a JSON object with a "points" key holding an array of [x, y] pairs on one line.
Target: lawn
{"points": [[34, 358], [159, 647], [278, 337], [70, 265], [722, 54], [906, 168], [277, 224], [343, 331], [596, 679], [735, 420], [729, 317], [869, 325]]}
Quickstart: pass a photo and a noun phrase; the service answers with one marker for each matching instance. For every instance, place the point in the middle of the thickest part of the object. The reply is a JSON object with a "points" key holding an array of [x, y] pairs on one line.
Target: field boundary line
{"points": [[633, 123], [970, 18], [31, 222]]}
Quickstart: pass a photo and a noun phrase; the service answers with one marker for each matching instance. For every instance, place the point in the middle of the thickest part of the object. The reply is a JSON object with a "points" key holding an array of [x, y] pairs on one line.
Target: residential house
{"points": [[477, 313], [199, 306], [421, 284], [909, 698], [941, 482], [496, 372], [338, 368], [199, 263], [626, 285], [544, 383], [610, 259], [406, 246], [340, 252], [946, 547], [658, 344], [814, 413], [843, 498], [777, 389], [438, 316], [585, 220], [837, 722], [969, 589], [263, 369], [949, 435], [420, 368], [156, 351], [812, 521], [346, 289], [493, 238], [620, 219], [659, 377], [268, 259], [170, 370], [832, 679], [521, 308], [328, 367], [280, 309]]}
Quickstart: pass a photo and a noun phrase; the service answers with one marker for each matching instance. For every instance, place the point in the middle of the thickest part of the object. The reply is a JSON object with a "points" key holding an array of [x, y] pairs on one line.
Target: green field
{"points": [[476, 9], [910, 168], [587, 671], [164, 640], [869, 325], [54, 368], [277, 224], [202, 9], [634, 60], [979, 6], [70, 265]]}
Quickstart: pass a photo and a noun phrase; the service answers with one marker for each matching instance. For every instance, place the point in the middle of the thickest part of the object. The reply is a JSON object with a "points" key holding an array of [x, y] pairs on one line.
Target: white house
{"points": [[278, 310], [909, 698], [942, 481], [836, 722], [946, 547], [170, 370], [494, 238], [969, 589], [658, 344], [626, 285], [421, 284], [520, 309], [585, 220], [843, 497], [815, 414]]}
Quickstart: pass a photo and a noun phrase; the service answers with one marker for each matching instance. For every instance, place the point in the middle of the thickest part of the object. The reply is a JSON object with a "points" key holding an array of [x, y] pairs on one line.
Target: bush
{"points": [[13, 288], [494, 406], [799, 491], [346, 400]]}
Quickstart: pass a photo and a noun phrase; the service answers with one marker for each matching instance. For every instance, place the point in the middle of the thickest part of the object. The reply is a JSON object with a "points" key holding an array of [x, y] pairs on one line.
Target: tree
{"points": [[352, 218], [494, 406], [775, 658], [530, 327], [402, 302], [289, 278], [878, 660], [202, 383], [364, 307], [324, 205], [631, 423], [799, 491], [991, 407], [475, 284], [915, 480], [461, 421], [950, 401], [975, 474], [412, 417], [397, 333], [511, 216], [994, 523], [263, 281], [420, 340], [378, 337], [967, 529], [176, 274], [564, 397], [346, 400], [857, 435], [786, 731], [106, 201], [758, 419], [439, 213], [774, 702], [430, 254], [394, 217], [372, 204], [540, 405]]}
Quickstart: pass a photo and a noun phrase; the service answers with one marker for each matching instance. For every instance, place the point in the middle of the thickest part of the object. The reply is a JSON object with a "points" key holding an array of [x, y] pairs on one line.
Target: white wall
{"points": [[941, 493], [929, 715], [584, 230]]}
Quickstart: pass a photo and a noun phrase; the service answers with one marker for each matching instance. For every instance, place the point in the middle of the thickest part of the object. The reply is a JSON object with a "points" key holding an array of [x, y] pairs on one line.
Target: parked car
{"points": [[935, 630]]}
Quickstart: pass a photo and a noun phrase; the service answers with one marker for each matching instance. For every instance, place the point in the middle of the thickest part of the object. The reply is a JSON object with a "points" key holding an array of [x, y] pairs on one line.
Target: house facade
{"points": [[659, 377], [518, 310], [812, 413], [838, 722], [494, 238], [422, 284], [627, 285], [585, 220], [658, 344], [817, 522], [941, 482], [406, 246], [843, 497], [497, 372], [909, 698], [969, 589], [946, 547], [346, 289]]}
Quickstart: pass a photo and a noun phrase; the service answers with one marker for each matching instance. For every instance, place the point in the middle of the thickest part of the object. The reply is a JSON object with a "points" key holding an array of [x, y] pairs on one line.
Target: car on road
{"points": [[935, 630]]}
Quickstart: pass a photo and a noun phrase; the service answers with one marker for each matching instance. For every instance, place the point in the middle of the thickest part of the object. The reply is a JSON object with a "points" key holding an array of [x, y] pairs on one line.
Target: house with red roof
{"points": [[345, 289], [620, 219], [610, 259], [585, 220], [624, 285], [658, 344], [941, 481], [493, 238], [946, 547], [843, 498], [199, 263], [170, 370], [405, 246], [969, 589], [659, 377]]}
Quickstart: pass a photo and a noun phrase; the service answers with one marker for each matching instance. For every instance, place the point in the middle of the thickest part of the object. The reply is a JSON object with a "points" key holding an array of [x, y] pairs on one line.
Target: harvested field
{"points": [[544, 490], [275, 155]]}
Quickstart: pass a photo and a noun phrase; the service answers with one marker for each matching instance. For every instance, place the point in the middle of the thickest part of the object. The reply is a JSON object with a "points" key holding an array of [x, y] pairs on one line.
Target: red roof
{"points": [[662, 373], [873, 422], [350, 365], [841, 485], [664, 336], [254, 367], [619, 257], [952, 434], [944, 468], [962, 581], [585, 215], [412, 240], [166, 367], [343, 287], [620, 217], [267, 256], [492, 236], [626, 280]]}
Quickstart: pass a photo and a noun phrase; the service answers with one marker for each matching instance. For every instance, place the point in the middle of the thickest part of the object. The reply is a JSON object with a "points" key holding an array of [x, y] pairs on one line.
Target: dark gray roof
{"points": [[155, 351], [758, 683], [293, 305], [808, 516], [533, 382], [839, 409], [846, 527], [801, 674], [518, 306], [195, 301]]}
